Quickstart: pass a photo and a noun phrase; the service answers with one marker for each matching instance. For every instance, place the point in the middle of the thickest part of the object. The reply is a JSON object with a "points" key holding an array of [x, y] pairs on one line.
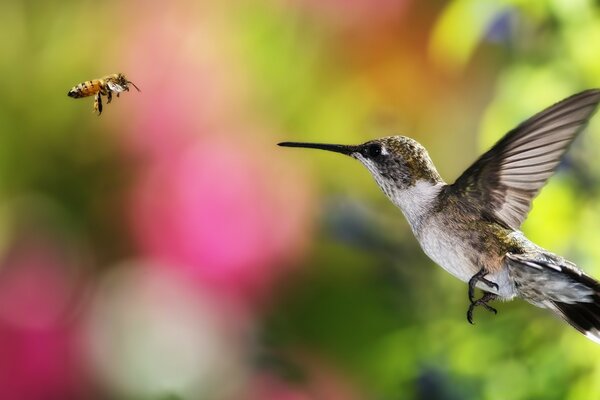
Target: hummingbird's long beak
{"points": [[338, 148]]}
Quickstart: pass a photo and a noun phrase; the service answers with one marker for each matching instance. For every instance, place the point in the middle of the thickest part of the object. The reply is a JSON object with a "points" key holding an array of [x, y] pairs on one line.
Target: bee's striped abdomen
{"points": [[84, 89]]}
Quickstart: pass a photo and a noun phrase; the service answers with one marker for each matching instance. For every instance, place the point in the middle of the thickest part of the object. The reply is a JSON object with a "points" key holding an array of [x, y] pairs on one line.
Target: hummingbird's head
{"points": [[397, 163]]}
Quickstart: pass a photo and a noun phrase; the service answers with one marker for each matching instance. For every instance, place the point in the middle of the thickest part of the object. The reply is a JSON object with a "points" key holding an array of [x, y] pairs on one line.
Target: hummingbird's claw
{"points": [[470, 314], [479, 277], [481, 302]]}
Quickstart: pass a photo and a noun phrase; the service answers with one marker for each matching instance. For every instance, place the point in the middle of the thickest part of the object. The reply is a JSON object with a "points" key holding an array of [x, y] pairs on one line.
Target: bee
{"points": [[115, 83]]}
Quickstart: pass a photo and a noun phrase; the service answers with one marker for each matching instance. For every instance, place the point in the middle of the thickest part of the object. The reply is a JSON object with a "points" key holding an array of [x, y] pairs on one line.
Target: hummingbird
{"points": [[471, 227]]}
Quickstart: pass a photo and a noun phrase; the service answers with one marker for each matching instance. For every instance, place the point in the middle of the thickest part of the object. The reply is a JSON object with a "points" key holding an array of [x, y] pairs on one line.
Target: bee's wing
{"points": [[115, 87], [507, 177]]}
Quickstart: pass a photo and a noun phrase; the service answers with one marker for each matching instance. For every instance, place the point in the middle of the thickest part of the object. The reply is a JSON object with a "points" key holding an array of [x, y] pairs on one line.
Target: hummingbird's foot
{"points": [[481, 302], [479, 277]]}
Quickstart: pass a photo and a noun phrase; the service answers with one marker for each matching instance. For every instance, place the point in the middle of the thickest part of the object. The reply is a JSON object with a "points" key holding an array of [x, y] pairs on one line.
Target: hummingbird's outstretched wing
{"points": [[505, 179]]}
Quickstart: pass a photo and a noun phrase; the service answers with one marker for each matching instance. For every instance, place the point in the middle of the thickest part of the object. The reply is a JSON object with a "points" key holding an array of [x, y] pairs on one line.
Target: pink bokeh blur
{"points": [[41, 289], [202, 201]]}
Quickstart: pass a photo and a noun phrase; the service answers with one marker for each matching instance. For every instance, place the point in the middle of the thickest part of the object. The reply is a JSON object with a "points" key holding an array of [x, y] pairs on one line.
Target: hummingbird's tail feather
{"points": [[548, 281], [585, 317]]}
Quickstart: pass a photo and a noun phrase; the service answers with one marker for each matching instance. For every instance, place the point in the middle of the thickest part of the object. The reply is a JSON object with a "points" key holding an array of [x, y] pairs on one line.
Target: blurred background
{"points": [[170, 250]]}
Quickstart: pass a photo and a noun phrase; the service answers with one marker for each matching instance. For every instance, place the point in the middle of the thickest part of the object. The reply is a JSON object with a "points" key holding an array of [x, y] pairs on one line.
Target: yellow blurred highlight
{"points": [[521, 93], [459, 30], [553, 216]]}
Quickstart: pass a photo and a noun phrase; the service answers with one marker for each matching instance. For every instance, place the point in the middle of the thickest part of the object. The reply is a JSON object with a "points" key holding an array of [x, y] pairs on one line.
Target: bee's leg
{"points": [[108, 97], [118, 94], [98, 103]]}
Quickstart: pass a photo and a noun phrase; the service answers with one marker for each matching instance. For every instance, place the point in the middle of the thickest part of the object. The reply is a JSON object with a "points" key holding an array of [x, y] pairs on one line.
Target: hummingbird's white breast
{"points": [[458, 257], [443, 243]]}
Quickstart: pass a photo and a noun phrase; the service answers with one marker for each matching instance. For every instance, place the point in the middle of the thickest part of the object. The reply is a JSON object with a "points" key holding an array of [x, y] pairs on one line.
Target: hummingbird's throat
{"points": [[414, 196]]}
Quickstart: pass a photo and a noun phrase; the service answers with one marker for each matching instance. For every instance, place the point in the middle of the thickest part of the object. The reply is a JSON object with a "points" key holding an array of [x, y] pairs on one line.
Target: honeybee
{"points": [[115, 83]]}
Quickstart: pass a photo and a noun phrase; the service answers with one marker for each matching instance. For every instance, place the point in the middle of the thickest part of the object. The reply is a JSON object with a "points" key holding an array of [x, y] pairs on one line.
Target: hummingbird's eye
{"points": [[374, 150]]}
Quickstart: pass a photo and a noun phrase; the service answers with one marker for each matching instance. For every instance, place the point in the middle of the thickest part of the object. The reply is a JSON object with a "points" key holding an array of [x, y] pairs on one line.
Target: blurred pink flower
{"points": [[218, 211], [36, 286], [40, 287], [38, 363], [211, 198]]}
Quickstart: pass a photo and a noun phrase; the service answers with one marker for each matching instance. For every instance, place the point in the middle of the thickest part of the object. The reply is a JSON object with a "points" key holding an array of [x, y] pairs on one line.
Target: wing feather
{"points": [[509, 175]]}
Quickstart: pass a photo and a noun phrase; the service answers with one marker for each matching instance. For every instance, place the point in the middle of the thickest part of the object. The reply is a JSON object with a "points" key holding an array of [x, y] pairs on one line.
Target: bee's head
{"points": [[122, 81]]}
